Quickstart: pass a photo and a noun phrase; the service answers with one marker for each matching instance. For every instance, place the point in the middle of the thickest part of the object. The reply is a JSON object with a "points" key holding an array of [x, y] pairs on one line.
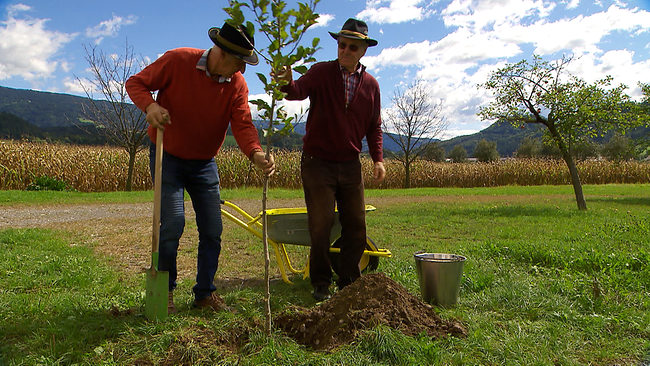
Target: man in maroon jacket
{"points": [[344, 108]]}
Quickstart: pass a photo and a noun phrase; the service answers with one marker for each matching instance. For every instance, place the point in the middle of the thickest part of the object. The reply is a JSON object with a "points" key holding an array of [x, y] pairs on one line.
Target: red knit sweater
{"points": [[200, 108], [333, 131]]}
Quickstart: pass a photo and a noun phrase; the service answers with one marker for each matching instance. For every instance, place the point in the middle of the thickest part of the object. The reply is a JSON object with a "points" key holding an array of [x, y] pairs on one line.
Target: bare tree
{"points": [[114, 115], [414, 120]]}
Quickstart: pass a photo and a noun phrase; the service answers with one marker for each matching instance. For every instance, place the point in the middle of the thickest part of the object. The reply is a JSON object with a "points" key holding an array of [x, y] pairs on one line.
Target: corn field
{"points": [[104, 169]]}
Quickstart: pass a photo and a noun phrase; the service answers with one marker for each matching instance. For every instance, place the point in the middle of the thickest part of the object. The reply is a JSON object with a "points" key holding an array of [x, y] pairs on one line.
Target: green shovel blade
{"points": [[155, 307]]}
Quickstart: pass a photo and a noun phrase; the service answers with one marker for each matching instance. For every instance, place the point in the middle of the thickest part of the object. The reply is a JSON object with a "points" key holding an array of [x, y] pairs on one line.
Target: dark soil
{"points": [[370, 301]]}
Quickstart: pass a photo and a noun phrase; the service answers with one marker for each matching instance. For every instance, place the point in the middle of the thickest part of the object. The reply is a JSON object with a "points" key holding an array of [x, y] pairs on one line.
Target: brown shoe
{"points": [[214, 302], [171, 308]]}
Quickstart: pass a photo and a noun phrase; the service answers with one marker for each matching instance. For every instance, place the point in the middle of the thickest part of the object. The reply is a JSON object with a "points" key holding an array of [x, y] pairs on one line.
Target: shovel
{"points": [[157, 281]]}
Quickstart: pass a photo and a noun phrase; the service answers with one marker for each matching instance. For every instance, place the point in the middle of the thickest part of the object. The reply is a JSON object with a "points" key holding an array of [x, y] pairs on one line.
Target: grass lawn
{"points": [[544, 284]]}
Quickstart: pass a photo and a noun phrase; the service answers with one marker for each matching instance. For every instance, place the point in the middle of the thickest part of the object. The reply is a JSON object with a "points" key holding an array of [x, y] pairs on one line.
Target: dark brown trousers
{"points": [[329, 184]]}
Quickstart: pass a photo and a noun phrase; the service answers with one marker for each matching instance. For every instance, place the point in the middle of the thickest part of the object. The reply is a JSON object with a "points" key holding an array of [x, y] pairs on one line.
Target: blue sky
{"points": [[450, 44]]}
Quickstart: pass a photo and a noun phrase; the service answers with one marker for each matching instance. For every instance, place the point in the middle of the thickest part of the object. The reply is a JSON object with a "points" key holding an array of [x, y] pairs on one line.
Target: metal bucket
{"points": [[440, 276]]}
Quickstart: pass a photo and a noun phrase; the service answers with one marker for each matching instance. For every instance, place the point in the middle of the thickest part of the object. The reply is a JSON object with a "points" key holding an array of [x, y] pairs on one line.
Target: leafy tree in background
{"points": [[435, 152], [283, 29], [458, 154], [644, 142], [415, 120], [570, 108], [584, 149], [486, 151], [529, 148], [118, 119], [619, 148]]}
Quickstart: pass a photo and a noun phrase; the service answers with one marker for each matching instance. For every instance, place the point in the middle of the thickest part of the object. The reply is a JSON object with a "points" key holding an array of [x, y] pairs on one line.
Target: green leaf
{"points": [[261, 104], [250, 29], [262, 78]]}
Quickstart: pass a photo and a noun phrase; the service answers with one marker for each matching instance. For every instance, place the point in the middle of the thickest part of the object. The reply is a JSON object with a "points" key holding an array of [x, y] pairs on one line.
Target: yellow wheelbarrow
{"points": [[288, 226]]}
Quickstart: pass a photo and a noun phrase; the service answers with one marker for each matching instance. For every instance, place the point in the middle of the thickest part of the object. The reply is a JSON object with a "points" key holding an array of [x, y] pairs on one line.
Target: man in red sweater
{"points": [[344, 108], [200, 92]]}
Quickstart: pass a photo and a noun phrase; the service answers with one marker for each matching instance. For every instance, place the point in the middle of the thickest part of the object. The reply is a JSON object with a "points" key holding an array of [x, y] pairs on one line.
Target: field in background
{"points": [[104, 169]]}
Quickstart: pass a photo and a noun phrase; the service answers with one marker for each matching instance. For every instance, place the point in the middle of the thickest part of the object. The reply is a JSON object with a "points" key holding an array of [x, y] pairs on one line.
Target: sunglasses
{"points": [[352, 47]]}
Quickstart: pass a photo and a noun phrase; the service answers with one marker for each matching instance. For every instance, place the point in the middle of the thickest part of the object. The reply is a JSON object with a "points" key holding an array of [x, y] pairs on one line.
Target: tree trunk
{"points": [[407, 175], [573, 170], [267, 259], [265, 234], [406, 161], [575, 180]]}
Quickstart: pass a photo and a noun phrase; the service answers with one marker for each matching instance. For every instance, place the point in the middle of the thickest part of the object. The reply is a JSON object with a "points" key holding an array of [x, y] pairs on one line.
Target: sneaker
{"points": [[322, 293], [171, 308], [214, 302]]}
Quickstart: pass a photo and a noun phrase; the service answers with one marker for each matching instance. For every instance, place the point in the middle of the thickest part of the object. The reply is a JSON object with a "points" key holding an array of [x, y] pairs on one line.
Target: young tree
{"points": [[115, 116], [283, 29], [458, 154], [415, 120], [486, 151], [544, 92]]}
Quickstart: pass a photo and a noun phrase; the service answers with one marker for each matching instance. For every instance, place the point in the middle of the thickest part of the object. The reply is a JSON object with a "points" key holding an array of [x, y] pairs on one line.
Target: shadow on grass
{"points": [[72, 334], [638, 201], [63, 338], [513, 211]]}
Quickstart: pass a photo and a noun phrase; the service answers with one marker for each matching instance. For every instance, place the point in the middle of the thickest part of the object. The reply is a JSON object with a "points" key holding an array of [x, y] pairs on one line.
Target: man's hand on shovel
{"points": [[157, 116]]}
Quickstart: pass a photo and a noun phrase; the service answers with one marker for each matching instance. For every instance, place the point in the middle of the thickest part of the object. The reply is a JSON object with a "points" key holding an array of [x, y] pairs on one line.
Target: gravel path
{"points": [[47, 216], [23, 216]]}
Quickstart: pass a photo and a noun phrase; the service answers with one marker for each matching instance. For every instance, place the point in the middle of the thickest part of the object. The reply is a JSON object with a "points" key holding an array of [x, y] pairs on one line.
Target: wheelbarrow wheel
{"points": [[366, 264]]}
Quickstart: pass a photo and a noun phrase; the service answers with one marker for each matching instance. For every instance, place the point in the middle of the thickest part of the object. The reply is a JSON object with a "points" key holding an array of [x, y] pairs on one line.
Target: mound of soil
{"points": [[371, 300]]}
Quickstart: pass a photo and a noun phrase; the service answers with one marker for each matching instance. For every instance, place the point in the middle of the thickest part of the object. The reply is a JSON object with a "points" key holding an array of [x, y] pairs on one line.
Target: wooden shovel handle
{"points": [[155, 237]]}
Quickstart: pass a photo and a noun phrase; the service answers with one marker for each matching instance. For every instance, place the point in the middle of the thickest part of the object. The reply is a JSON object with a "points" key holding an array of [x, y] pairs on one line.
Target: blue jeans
{"points": [[201, 180]]}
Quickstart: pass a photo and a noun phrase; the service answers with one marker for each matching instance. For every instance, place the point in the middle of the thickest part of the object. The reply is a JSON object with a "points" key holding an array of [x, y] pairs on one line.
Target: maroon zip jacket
{"points": [[335, 132]]}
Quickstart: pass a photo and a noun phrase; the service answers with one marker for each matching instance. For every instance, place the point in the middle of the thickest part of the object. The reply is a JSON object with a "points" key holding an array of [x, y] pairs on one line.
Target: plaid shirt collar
{"points": [[203, 65], [356, 72], [350, 82]]}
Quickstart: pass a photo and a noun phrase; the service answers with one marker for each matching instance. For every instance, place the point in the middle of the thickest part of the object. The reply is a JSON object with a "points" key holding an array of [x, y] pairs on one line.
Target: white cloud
{"points": [[491, 33], [455, 53], [27, 48], [618, 64], [452, 68], [109, 28], [291, 107], [571, 4], [73, 86], [582, 33], [13, 10], [394, 11], [481, 14], [323, 20]]}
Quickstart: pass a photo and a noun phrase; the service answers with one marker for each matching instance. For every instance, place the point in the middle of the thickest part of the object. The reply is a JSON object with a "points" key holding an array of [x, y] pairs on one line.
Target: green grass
{"points": [[544, 284]]}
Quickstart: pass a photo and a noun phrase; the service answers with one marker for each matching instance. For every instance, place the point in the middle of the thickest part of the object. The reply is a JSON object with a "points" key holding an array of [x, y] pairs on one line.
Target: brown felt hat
{"points": [[355, 29], [235, 41]]}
